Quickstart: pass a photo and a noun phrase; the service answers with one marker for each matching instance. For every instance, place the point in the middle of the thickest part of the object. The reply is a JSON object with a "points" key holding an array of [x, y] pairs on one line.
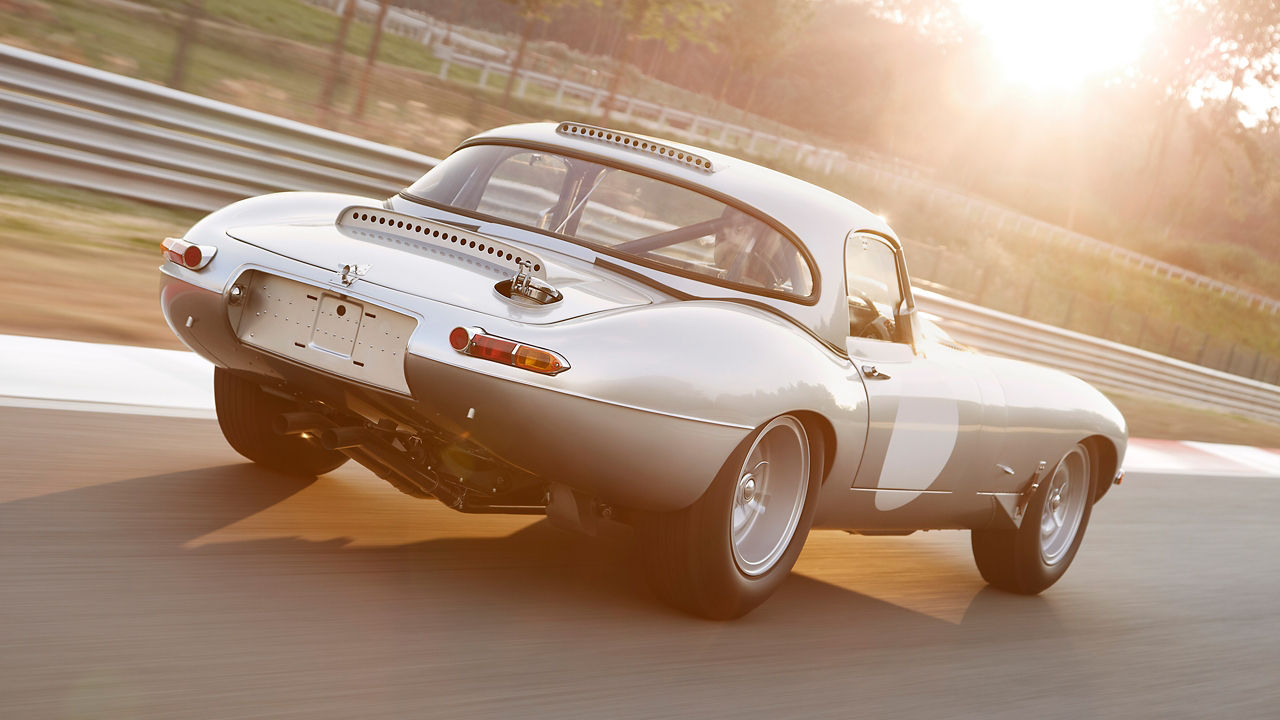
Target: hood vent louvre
{"points": [[637, 143], [428, 234]]}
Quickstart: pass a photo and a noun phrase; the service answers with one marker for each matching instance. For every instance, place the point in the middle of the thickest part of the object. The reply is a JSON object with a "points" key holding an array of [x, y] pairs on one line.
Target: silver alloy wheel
{"points": [[1064, 505], [769, 495]]}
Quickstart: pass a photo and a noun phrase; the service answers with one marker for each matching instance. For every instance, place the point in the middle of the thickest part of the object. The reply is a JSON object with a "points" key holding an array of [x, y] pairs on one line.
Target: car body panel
{"points": [[668, 374]]}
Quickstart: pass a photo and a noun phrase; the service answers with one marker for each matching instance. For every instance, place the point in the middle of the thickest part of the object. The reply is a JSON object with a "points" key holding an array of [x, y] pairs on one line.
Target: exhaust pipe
{"points": [[342, 438], [296, 423], [387, 462]]}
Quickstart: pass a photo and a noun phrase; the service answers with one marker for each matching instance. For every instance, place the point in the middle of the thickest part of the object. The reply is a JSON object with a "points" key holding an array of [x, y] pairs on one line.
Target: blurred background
{"points": [[1106, 167]]}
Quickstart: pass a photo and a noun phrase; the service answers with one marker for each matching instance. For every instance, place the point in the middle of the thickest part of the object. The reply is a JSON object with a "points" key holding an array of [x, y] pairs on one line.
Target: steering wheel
{"points": [[879, 327]]}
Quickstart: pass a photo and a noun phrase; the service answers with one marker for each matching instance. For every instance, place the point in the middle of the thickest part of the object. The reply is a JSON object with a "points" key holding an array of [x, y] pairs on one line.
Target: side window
{"points": [[871, 277], [525, 187]]}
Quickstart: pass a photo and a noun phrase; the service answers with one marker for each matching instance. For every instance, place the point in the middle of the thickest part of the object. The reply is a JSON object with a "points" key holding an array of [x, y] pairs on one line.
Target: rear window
{"points": [[621, 213]]}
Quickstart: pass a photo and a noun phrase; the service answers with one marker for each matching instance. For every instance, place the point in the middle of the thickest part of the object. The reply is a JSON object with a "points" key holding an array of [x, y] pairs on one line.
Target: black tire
{"points": [[1016, 560], [245, 414], [690, 556]]}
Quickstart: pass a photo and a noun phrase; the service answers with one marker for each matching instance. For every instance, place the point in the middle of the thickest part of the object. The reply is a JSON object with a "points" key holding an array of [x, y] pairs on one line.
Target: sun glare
{"points": [[1057, 44]]}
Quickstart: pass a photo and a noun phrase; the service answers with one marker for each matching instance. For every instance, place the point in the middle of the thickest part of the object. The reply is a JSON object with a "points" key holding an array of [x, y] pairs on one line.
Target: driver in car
{"points": [[748, 252]]}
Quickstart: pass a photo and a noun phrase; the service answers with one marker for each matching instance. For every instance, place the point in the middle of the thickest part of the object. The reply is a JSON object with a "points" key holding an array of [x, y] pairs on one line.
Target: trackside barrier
{"points": [[83, 127], [1101, 362]]}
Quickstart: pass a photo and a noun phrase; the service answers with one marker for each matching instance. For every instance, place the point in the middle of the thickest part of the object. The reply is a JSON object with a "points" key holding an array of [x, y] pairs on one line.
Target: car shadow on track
{"points": [[108, 599], [127, 545]]}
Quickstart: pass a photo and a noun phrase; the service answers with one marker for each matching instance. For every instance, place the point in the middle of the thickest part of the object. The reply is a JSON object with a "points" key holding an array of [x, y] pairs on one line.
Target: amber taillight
{"points": [[478, 344]]}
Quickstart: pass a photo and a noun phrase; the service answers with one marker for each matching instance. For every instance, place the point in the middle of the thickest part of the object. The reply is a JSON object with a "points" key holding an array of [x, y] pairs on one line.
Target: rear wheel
{"points": [[1029, 559], [730, 550], [245, 414]]}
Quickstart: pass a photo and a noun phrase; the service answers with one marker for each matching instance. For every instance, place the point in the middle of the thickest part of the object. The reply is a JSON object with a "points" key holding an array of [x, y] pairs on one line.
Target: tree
{"points": [[938, 20], [671, 21], [371, 58], [1213, 51], [755, 31], [531, 11], [335, 55], [186, 38]]}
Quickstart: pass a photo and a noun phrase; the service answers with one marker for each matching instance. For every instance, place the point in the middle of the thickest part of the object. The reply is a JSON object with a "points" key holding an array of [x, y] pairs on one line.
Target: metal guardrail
{"points": [[79, 126], [1101, 362]]}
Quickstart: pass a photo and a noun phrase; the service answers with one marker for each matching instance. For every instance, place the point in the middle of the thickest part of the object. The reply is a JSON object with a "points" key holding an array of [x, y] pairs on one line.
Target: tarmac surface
{"points": [[147, 571]]}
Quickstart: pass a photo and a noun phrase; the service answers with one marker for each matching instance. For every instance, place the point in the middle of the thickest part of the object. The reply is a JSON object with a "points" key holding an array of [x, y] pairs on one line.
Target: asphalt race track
{"points": [[148, 572]]}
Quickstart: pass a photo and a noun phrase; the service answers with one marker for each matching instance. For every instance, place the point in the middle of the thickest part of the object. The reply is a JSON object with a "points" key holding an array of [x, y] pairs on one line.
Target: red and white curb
{"points": [[68, 375], [1188, 457]]}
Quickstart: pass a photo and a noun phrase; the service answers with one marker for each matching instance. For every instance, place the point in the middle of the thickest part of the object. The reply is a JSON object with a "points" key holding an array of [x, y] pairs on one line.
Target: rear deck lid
{"points": [[442, 262]]}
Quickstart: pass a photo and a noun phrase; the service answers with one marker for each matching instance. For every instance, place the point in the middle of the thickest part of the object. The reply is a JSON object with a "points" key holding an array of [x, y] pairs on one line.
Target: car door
{"points": [[927, 411]]}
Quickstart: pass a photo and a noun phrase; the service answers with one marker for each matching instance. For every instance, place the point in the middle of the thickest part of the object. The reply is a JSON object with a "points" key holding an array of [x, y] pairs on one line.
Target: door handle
{"points": [[872, 373]]}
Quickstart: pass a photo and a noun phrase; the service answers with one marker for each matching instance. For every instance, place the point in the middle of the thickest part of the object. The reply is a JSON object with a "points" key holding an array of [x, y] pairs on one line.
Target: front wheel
{"points": [[1029, 559], [246, 413], [730, 550]]}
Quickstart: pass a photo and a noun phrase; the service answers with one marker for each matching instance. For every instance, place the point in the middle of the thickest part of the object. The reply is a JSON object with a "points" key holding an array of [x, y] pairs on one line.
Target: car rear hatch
{"points": [[442, 262]]}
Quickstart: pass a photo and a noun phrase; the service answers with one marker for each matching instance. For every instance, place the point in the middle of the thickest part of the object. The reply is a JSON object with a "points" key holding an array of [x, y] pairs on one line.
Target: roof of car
{"points": [[817, 216]]}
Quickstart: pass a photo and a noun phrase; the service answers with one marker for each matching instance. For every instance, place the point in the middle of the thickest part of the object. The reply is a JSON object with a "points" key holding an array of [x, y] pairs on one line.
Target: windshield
{"points": [[622, 213]]}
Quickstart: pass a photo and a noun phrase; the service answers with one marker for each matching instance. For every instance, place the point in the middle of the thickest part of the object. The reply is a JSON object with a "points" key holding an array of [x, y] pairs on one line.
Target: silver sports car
{"points": [[604, 327]]}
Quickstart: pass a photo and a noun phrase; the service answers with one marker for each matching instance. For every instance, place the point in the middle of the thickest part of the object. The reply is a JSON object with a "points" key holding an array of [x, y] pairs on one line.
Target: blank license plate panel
{"points": [[337, 324], [325, 330]]}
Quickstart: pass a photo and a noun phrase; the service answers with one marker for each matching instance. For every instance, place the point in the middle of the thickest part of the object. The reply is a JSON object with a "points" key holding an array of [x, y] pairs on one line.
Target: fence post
{"points": [[484, 74], [444, 69], [1203, 346], [1026, 300]]}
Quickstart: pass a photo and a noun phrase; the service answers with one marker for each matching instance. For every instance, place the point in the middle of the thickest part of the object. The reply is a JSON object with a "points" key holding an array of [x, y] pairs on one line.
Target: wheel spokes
{"points": [[769, 495]]}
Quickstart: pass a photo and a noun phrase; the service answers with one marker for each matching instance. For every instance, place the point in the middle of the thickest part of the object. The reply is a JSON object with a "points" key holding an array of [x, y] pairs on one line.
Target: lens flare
{"points": [[1058, 45]]}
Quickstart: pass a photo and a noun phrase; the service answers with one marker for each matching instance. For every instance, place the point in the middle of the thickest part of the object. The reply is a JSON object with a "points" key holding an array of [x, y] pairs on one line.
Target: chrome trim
{"points": [[902, 490], [179, 246], [636, 143], [528, 287], [351, 273], [473, 331]]}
